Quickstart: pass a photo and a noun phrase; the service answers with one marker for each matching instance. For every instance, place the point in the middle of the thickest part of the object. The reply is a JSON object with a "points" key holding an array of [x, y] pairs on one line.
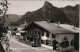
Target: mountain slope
{"points": [[12, 18], [49, 12], [72, 13], [23, 18]]}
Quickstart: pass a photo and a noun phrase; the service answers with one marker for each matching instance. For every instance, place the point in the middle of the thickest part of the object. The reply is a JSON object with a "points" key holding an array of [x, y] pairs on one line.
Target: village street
{"points": [[16, 46]]}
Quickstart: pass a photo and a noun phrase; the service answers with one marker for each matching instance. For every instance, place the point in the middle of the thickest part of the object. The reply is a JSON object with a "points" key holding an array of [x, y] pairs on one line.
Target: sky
{"points": [[23, 6]]}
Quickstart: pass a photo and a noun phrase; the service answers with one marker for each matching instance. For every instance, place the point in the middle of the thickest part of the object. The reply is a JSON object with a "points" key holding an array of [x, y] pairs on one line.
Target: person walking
{"points": [[55, 42]]}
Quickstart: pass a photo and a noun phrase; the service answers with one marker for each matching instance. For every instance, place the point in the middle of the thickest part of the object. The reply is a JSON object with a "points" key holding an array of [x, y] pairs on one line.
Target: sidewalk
{"points": [[49, 47], [46, 46]]}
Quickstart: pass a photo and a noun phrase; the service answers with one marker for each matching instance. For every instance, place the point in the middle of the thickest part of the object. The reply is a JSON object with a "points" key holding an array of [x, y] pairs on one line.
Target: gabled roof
{"points": [[53, 27], [70, 27]]}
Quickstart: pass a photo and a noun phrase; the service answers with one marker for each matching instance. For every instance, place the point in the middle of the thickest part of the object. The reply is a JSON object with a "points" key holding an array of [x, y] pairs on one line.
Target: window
{"points": [[27, 31], [39, 32], [42, 33], [35, 32], [72, 42], [53, 36], [47, 34], [42, 41]]}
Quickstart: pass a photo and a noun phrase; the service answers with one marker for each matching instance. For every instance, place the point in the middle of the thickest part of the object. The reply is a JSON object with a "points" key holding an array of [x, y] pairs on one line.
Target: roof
{"points": [[70, 27], [19, 28], [12, 27], [53, 27]]}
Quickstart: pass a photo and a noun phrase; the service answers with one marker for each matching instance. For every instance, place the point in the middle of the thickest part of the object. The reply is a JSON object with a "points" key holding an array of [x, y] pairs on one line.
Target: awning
{"points": [[44, 38], [18, 34]]}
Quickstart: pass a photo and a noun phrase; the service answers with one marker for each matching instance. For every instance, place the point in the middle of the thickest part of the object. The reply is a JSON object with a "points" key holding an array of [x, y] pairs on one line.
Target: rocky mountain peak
{"points": [[48, 4]]}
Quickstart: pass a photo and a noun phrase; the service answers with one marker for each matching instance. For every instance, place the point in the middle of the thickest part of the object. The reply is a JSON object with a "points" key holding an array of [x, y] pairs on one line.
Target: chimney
{"points": [[47, 20], [74, 27], [58, 23]]}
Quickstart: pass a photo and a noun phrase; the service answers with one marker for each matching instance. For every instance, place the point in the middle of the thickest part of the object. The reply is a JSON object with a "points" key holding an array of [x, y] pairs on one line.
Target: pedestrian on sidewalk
{"points": [[55, 42]]}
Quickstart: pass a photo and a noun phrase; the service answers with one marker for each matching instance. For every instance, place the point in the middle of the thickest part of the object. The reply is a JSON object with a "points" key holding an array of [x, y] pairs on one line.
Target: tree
{"points": [[3, 14]]}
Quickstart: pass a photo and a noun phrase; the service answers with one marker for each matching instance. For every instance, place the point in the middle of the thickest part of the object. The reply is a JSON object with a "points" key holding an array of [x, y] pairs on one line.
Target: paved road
{"points": [[20, 47]]}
